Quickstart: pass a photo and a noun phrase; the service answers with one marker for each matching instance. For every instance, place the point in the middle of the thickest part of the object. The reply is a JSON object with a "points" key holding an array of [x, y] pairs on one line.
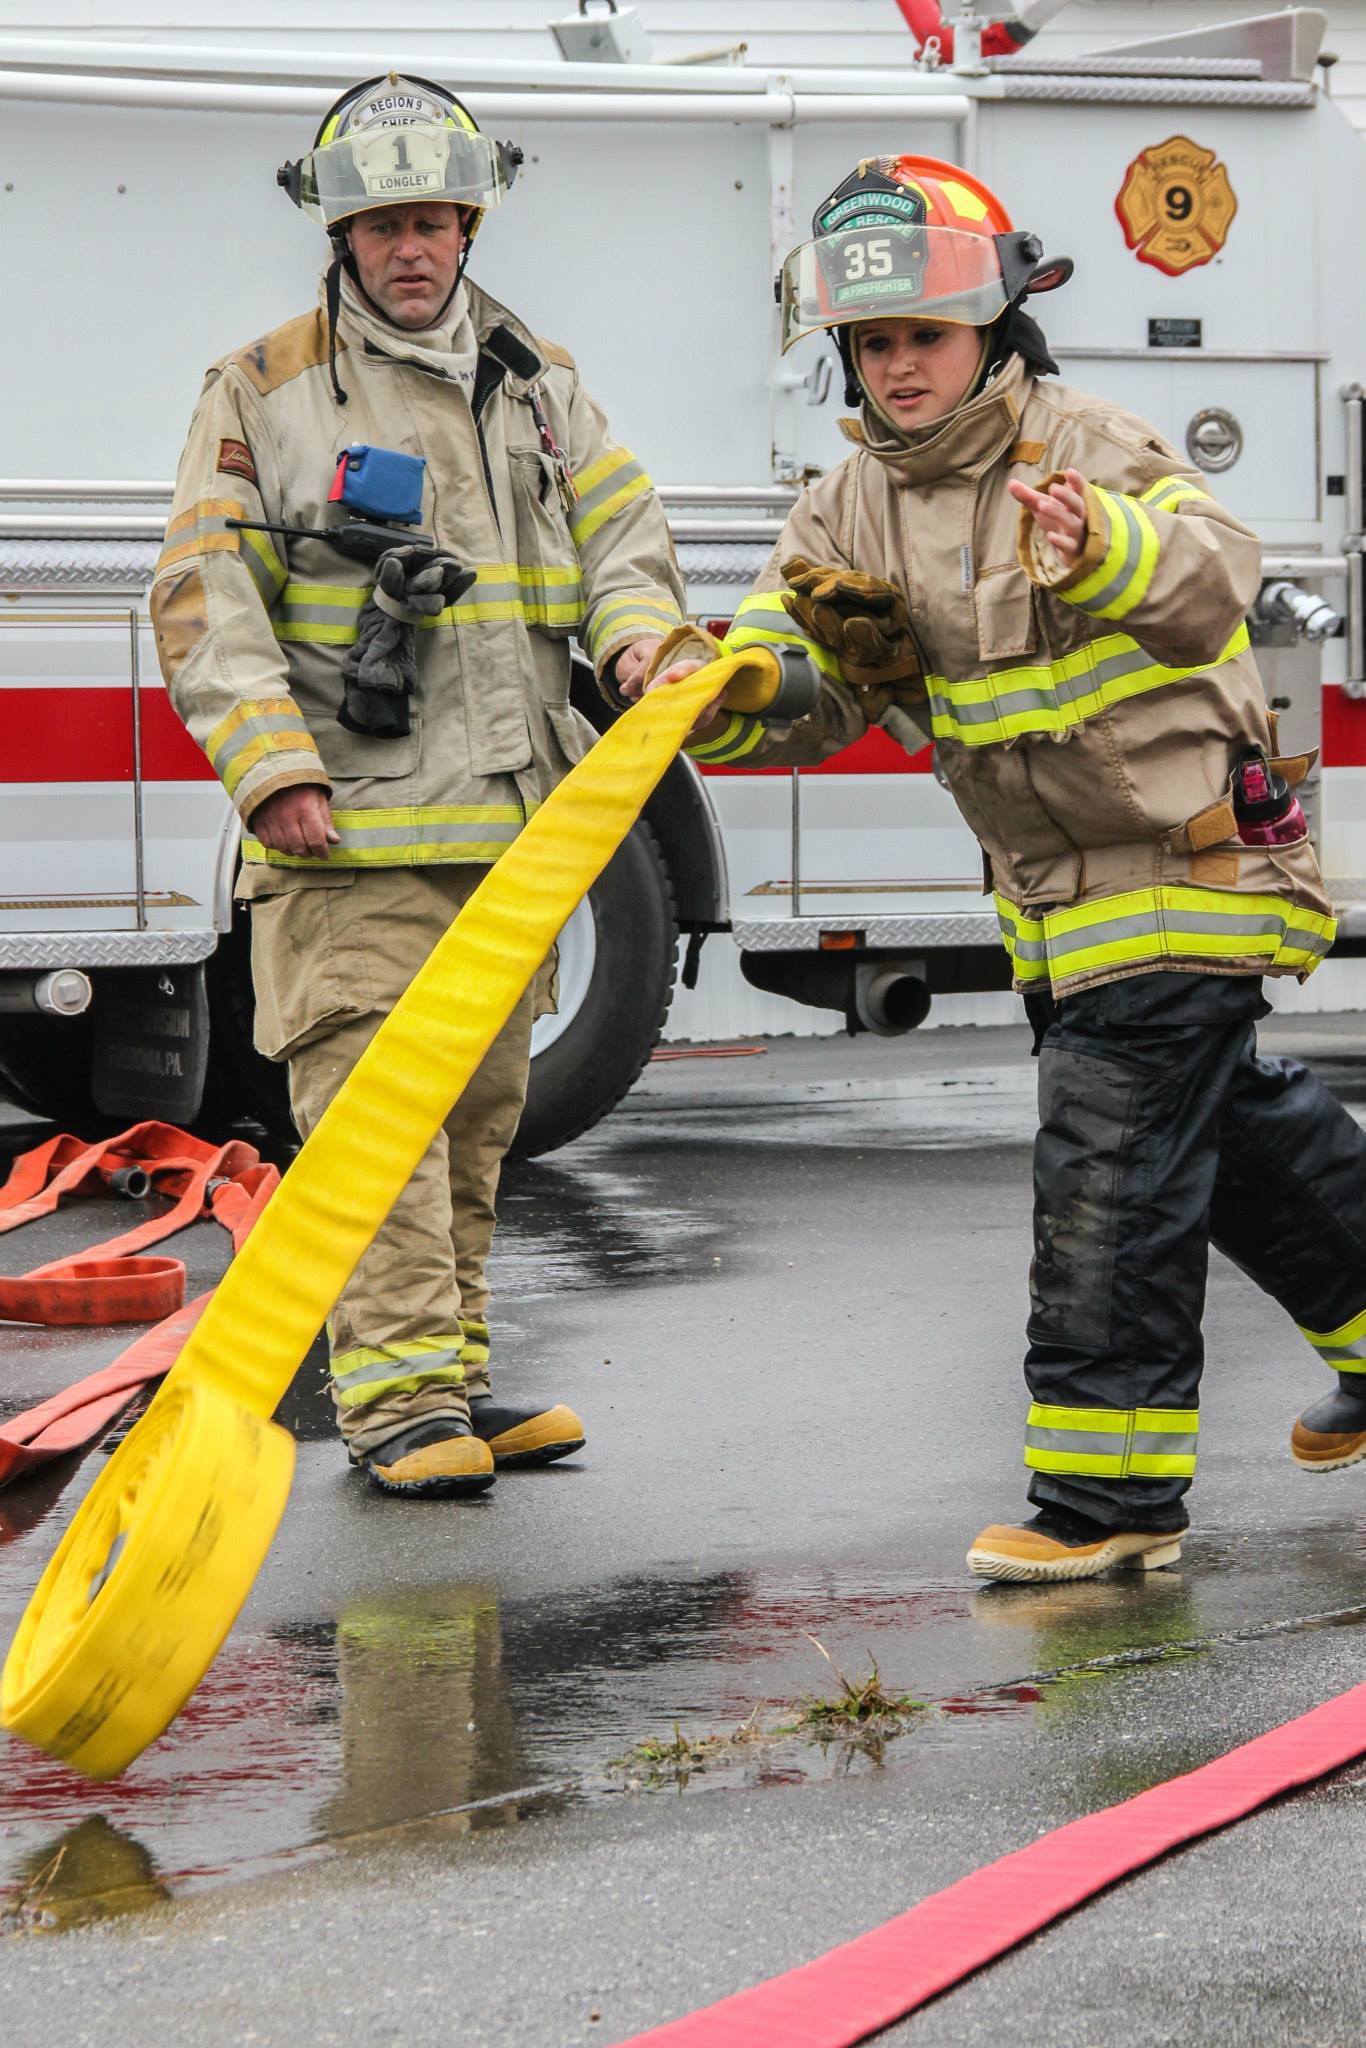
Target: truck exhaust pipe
{"points": [[889, 1000], [887, 997], [64, 993]]}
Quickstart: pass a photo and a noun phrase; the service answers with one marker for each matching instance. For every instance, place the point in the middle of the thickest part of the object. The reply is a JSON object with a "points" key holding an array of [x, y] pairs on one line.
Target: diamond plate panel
{"points": [[37, 952], [803, 934]]}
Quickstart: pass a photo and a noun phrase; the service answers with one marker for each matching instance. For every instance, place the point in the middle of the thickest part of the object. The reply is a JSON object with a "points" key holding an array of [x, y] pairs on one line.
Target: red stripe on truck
{"points": [[877, 753], [57, 735], [1343, 738]]}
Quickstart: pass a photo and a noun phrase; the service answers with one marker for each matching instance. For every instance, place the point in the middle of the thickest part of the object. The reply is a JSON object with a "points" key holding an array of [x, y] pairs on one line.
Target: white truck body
{"points": [[139, 212]]}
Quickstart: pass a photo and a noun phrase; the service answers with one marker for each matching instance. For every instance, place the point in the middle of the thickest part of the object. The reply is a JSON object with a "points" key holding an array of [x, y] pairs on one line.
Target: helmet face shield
{"points": [[891, 270], [391, 166]]}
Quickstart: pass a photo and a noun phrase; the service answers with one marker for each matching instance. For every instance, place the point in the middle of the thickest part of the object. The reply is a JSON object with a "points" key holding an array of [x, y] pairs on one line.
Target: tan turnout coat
{"points": [[252, 628], [1087, 719]]}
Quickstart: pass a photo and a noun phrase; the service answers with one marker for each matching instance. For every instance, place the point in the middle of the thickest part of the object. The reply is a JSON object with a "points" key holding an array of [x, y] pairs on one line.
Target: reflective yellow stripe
{"points": [[1055, 696], [597, 472], [740, 737], [270, 562], [206, 508], [1172, 922], [1112, 1443], [410, 835], [1123, 577], [252, 731], [763, 620], [583, 530], [1169, 492], [1343, 1348], [635, 615], [372, 1371]]}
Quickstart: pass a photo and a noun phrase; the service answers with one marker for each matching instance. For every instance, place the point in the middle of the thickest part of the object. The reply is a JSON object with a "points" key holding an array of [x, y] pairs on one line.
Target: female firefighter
{"points": [[1036, 581]]}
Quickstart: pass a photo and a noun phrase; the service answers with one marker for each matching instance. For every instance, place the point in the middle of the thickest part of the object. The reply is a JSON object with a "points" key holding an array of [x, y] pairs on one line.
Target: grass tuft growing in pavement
{"points": [[863, 1715], [859, 1702]]}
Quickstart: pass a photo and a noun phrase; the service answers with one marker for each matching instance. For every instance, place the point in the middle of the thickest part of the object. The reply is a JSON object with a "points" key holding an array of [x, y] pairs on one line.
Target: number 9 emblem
{"points": [[1176, 205]]}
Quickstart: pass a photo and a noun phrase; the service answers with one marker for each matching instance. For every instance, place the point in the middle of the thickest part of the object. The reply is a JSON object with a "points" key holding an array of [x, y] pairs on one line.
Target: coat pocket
{"points": [[1003, 601], [572, 735], [547, 560]]}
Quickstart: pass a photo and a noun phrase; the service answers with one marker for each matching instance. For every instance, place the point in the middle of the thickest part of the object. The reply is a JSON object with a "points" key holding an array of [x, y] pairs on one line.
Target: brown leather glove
{"points": [[861, 619]]}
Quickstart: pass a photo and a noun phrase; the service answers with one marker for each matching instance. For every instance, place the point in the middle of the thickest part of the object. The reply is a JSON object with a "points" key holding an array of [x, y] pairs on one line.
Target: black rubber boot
{"points": [[1057, 1544], [433, 1460], [1331, 1433], [525, 1436]]}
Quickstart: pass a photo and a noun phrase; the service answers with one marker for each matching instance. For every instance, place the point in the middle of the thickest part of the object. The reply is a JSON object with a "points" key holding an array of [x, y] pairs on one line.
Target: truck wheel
{"points": [[240, 1081], [45, 1065], [617, 971], [617, 968]]}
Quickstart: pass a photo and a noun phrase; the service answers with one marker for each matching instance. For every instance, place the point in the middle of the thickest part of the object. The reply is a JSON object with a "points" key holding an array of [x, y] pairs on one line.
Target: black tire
{"points": [[240, 1081], [596, 1056], [45, 1067], [603, 1044]]}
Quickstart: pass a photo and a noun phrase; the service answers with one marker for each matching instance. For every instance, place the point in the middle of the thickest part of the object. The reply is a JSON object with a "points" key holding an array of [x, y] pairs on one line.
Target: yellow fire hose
{"points": [[149, 1578]]}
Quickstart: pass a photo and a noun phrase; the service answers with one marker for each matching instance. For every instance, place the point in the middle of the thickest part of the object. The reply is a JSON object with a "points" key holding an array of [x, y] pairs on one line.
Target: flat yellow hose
{"points": [[146, 1583]]}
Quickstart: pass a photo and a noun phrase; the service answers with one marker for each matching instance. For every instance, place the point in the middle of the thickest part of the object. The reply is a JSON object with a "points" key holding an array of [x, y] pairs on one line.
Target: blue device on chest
{"points": [[380, 483]]}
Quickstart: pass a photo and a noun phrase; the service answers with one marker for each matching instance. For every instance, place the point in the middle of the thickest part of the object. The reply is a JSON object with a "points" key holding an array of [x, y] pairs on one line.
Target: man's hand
{"points": [[632, 664], [296, 820], [1060, 511]]}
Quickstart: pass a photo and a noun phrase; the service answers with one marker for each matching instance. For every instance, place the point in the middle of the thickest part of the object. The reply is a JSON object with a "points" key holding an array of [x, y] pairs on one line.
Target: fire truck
{"points": [[1205, 184]]}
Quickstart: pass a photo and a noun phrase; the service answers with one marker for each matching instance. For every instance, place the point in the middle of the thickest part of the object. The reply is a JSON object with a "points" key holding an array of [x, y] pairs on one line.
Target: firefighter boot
{"points": [[433, 1459], [1057, 1544], [515, 1436], [525, 1436], [1332, 1433]]}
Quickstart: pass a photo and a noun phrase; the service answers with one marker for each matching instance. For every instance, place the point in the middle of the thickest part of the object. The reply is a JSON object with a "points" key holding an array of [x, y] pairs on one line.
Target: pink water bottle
{"points": [[1267, 809]]}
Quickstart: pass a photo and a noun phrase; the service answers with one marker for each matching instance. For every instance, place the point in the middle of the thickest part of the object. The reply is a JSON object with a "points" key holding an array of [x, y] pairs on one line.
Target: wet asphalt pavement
{"points": [[426, 1794]]}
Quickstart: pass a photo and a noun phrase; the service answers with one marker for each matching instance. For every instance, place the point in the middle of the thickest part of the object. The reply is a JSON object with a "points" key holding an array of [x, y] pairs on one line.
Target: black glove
{"points": [[380, 671]]}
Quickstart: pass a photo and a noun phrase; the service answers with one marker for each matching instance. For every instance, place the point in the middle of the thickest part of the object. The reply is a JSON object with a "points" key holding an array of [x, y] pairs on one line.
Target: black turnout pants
{"points": [[1162, 1130]]}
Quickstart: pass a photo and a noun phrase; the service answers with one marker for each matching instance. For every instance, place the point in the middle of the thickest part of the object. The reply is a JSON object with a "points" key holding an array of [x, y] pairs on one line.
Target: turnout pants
{"points": [[408, 1335], [1161, 1131]]}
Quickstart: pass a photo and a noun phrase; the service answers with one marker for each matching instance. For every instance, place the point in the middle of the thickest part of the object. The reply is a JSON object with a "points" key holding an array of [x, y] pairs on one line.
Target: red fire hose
{"points": [[110, 1283]]}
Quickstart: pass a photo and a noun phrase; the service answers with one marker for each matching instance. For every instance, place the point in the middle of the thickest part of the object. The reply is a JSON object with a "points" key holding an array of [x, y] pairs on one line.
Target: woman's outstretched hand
{"points": [[1060, 511]]}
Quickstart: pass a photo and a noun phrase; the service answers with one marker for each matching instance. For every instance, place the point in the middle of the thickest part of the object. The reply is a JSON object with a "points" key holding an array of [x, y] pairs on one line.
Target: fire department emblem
{"points": [[1176, 205]]}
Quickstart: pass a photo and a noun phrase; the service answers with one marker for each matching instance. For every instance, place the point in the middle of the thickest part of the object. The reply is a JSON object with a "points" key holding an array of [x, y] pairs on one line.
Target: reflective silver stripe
{"points": [[1146, 924], [247, 734], [616, 480], [410, 1365], [1122, 577]]}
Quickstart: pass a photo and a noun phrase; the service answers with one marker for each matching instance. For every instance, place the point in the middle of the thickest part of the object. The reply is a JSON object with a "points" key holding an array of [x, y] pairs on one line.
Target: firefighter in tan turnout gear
{"points": [[1034, 580], [392, 517]]}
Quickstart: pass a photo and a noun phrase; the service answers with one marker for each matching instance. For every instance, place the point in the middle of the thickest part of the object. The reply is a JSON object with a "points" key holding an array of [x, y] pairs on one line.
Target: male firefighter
{"points": [[1037, 582], [392, 517]]}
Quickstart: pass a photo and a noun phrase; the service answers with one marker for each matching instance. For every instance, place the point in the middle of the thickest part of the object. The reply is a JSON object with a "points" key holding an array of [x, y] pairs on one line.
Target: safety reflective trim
{"points": [[1344, 1348], [203, 530], [513, 590], [636, 615], [529, 592], [763, 620], [409, 835], [740, 737], [1055, 696], [372, 1371], [1122, 578], [474, 1349], [1169, 492], [1170, 922], [1112, 1443], [269, 571], [595, 507], [251, 732]]}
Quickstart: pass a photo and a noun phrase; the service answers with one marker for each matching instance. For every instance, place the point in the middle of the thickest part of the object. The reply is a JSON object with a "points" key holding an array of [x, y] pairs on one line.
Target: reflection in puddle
{"points": [[447, 1710]]}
